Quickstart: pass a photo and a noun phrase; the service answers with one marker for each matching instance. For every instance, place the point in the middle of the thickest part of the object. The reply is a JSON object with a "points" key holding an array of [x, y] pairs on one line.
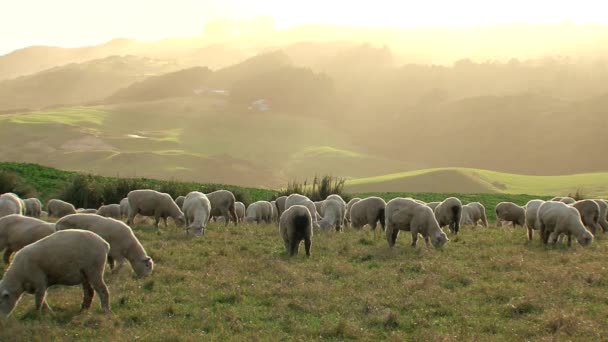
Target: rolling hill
{"points": [[466, 180]]}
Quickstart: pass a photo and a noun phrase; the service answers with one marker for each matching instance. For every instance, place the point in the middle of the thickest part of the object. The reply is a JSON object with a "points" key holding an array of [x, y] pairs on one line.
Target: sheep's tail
{"points": [[381, 218]]}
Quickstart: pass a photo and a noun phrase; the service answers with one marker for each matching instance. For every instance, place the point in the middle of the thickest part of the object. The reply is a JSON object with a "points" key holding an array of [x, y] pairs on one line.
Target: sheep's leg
{"points": [[307, 245], [88, 294], [156, 220], [530, 233], [553, 238], [392, 236], [131, 217], [294, 246], [569, 240], [7, 255], [414, 238], [102, 291], [227, 217], [111, 262], [235, 218], [426, 240], [165, 220], [39, 299], [119, 264]]}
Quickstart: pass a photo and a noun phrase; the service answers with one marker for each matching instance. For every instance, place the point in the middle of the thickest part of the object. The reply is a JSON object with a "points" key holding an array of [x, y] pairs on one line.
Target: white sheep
{"points": [[367, 211], [197, 209], [333, 214], [223, 204], [567, 200], [85, 211], [17, 231], [472, 213], [280, 201], [58, 208], [319, 208], [10, 204], [408, 215], [109, 210], [511, 212], [275, 212], [449, 213], [33, 207], [155, 204], [180, 202], [555, 218], [531, 213], [297, 199], [349, 205], [603, 205], [590, 214], [123, 243], [124, 208], [295, 225], [239, 208], [258, 212], [72, 257], [431, 205]]}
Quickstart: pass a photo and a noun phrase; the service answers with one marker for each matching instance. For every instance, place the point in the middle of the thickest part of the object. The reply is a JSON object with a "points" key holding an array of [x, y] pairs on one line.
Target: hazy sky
{"points": [[85, 22]]}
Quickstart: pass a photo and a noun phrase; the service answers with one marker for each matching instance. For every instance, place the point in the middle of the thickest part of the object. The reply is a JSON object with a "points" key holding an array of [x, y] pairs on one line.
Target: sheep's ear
{"points": [[146, 259]]}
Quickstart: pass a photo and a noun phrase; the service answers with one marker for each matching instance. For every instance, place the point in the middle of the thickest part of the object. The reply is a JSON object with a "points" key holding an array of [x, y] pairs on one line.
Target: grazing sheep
{"points": [[258, 212], [297, 199], [10, 204], [408, 215], [196, 210], [180, 202], [295, 225], [275, 211], [431, 205], [124, 208], [153, 203], [239, 208], [69, 258], [85, 211], [349, 205], [508, 211], [58, 208], [123, 243], [567, 200], [319, 208], [603, 205], [333, 214], [33, 207], [472, 213], [17, 231], [110, 210], [281, 204], [449, 213], [555, 218], [531, 215], [367, 211], [223, 204], [590, 214]]}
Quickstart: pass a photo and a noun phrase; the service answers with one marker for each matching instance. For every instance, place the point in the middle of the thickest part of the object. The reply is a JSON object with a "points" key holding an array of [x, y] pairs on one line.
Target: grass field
{"points": [[236, 284], [483, 181]]}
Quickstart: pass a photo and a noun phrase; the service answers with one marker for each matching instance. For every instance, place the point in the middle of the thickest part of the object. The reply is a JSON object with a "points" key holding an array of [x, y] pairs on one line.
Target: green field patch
{"points": [[71, 116]]}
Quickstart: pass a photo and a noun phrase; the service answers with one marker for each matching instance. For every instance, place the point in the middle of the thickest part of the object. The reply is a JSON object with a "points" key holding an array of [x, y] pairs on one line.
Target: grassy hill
{"points": [[465, 180]]}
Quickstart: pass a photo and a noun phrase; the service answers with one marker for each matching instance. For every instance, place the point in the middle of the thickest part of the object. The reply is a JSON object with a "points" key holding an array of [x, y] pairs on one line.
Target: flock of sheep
{"points": [[76, 248]]}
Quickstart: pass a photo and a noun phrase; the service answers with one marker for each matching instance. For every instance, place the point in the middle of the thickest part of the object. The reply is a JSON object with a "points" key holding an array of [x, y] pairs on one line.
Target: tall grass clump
{"points": [[318, 189], [11, 182]]}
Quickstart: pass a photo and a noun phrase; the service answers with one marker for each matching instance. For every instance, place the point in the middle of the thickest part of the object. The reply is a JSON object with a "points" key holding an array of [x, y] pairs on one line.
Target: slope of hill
{"points": [[78, 83], [466, 180]]}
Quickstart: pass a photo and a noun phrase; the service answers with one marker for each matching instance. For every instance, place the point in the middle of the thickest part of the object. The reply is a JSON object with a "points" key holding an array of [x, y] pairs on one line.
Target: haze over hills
{"points": [[261, 110]]}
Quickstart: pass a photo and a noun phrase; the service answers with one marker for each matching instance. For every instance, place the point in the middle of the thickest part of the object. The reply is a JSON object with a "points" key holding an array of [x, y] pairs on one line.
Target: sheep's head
{"points": [[196, 230], [180, 220], [585, 238], [8, 298], [143, 267], [439, 239]]}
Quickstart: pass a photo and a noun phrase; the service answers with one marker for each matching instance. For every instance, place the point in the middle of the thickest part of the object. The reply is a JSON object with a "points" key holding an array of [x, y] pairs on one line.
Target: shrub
{"points": [[318, 190], [11, 182], [84, 191]]}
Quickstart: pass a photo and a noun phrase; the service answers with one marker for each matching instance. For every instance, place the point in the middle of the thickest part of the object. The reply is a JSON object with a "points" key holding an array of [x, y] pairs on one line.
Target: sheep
{"points": [[333, 214], [110, 210], [590, 214], [58, 208], [472, 213], [567, 200], [294, 199], [275, 211], [349, 205], [17, 231], [508, 211], [148, 202], [10, 204], [239, 208], [196, 210], [223, 204], [603, 205], [295, 225], [33, 207], [408, 215], [180, 202], [258, 212], [319, 208], [85, 211], [69, 258], [531, 213], [432, 205], [123, 243], [280, 201], [124, 208], [367, 211], [44, 215], [555, 218], [449, 213]]}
